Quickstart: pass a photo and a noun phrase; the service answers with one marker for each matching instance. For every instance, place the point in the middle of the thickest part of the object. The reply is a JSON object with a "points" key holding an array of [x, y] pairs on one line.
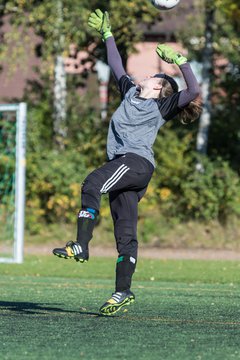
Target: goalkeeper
{"points": [[144, 109]]}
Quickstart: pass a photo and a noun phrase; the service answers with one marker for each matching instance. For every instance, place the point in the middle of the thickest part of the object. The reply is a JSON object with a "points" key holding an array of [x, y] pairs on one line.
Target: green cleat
{"points": [[72, 250], [116, 302]]}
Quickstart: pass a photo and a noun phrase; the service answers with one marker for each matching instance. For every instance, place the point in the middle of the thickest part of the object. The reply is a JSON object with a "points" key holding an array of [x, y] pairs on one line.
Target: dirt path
{"points": [[151, 253]]}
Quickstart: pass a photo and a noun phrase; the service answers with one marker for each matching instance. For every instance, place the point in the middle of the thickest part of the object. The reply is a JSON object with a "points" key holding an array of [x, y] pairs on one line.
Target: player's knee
{"points": [[90, 185], [125, 228], [90, 194], [128, 247]]}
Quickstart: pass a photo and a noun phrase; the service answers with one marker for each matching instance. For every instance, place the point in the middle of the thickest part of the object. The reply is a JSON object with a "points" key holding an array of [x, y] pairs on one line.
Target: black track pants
{"points": [[125, 179]]}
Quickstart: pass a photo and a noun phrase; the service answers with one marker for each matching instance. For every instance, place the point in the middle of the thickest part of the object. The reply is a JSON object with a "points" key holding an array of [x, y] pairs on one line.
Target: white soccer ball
{"points": [[164, 4]]}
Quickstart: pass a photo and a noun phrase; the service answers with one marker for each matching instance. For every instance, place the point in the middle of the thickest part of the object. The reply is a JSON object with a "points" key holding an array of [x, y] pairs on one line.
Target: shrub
{"points": [[53, 187], [180, 192], [211, 194]]}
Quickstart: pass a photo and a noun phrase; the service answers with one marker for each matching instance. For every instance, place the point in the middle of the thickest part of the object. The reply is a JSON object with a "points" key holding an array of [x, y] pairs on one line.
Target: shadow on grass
{"points": [[39, 308]]}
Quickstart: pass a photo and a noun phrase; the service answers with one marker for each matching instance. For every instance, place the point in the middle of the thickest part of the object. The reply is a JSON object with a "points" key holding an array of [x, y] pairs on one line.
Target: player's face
{"points": [[150, 82]]}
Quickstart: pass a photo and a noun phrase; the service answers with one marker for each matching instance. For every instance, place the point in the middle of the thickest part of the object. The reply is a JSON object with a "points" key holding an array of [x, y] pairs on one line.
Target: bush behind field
{"points": [[177, 192]]}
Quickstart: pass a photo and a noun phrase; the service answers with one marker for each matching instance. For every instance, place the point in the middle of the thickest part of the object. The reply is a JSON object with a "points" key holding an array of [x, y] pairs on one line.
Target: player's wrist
{"points": [[106, 35], [180, 60], [166, 53]]}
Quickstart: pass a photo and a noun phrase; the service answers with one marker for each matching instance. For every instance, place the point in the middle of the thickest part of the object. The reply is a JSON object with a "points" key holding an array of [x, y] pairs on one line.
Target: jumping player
{"points": [[125, 177]]}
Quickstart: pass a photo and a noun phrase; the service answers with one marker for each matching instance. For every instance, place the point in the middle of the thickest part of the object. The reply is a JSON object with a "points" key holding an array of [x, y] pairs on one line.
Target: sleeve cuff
{"points": [[106, 35]]}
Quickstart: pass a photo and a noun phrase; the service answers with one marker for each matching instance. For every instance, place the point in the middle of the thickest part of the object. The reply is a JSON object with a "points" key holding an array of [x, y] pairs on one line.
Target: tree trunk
{"points": [[60, 129], [207, 62], [103, 71], [60, 90]]}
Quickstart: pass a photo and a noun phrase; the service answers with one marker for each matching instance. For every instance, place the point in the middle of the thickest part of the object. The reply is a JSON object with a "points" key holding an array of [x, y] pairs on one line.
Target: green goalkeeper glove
{"points": [[100, 22], [167, 54]]}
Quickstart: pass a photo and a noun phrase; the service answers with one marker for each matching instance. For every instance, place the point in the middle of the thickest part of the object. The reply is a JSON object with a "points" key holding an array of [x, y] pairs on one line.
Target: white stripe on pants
{"points": [[114, 178]]}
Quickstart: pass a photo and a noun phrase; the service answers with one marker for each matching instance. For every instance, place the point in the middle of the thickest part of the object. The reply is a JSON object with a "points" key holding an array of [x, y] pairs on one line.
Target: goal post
{"points": [[12, 190]]}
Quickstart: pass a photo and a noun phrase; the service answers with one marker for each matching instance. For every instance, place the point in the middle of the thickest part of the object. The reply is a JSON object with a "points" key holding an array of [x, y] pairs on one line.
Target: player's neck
{"points": [[149, 94]]}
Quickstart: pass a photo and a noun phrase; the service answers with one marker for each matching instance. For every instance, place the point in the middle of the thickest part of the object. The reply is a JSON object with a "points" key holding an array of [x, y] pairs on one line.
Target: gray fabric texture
{"points": [[134, 127]]}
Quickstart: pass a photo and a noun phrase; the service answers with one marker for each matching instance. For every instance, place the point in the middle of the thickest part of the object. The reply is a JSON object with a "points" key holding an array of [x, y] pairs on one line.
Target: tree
{"points": [[207, 65], [62, 22], [56, 25], [223, 75], [59, 81]]}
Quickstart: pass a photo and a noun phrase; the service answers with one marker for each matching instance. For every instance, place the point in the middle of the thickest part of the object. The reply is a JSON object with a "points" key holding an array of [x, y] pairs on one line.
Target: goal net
{"points": [[12, 181]]}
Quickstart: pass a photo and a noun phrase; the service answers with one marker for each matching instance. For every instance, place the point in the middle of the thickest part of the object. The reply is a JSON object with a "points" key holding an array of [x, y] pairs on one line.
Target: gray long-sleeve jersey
{"points": [[134, 126], [135, 123]]}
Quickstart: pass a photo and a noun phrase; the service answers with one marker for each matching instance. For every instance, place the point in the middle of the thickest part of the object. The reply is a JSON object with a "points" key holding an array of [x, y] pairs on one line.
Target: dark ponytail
{"points": [[189, 113]]}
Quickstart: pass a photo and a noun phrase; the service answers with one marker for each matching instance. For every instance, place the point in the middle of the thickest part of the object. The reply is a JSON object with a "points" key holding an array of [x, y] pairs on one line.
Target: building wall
{"points": [[141, 64], [13, 77], [146, 61]]}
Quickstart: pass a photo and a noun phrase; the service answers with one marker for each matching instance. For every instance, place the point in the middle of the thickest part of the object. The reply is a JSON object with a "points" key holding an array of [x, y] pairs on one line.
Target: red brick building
{"points": [[145, 62]]}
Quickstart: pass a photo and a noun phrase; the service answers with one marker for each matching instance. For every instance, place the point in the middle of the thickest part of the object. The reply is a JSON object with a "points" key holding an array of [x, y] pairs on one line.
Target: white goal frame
{"points": [[20, 168]]}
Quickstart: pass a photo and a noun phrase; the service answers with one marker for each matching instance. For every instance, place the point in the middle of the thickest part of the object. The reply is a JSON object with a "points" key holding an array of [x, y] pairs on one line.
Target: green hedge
{"points": [[177, 190]]}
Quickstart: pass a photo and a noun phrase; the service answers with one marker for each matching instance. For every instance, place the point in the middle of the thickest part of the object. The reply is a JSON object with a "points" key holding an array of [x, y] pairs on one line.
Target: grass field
{"points": [[183, 310]]}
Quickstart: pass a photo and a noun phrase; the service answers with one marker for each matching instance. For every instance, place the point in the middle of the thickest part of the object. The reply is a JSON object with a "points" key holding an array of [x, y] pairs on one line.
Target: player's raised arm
{"points": [[101, 23], [192, 91], [185, 103]]}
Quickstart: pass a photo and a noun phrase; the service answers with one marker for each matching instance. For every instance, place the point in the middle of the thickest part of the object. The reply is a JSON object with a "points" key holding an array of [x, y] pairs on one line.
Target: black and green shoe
{"points": [[116, 302], [72, 250]]}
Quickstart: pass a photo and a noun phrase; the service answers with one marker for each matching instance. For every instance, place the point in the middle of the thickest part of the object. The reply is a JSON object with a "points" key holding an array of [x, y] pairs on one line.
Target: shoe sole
{"points": [[70, 257], [110, 309]]}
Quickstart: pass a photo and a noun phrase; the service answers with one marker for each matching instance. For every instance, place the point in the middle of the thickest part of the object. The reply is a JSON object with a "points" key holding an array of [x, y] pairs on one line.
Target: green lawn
{"points": [[183, 310]]}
